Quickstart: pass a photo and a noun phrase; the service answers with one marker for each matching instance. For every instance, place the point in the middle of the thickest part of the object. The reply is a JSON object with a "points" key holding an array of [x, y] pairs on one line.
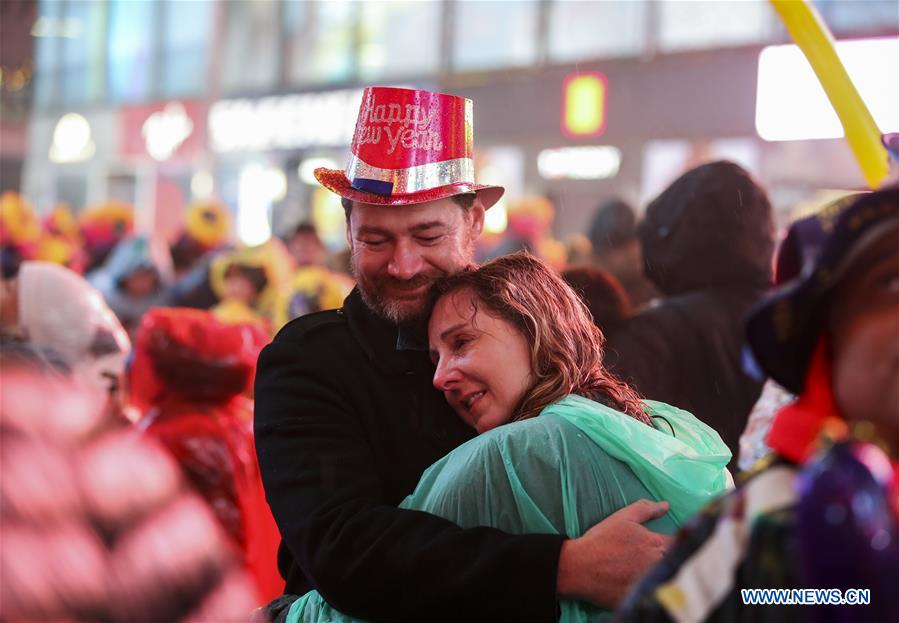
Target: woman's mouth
{"points": [[469, 401]]}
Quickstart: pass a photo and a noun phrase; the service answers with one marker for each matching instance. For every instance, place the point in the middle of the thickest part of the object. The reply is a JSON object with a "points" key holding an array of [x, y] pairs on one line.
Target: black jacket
{"points": [[687, 351], [345, 425], [707, 244]]}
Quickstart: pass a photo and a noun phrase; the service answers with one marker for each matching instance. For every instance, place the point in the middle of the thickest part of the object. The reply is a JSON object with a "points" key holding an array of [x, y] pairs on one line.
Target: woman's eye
{"points": [[461, 342]]}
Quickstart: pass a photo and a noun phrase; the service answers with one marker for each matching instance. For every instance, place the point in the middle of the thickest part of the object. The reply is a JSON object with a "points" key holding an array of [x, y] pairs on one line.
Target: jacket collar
{"points": [[379, 338]]}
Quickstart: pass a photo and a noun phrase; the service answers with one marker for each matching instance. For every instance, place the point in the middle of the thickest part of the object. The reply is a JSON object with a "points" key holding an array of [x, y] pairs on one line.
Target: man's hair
{"points": [[566, 347], [465, 201]]}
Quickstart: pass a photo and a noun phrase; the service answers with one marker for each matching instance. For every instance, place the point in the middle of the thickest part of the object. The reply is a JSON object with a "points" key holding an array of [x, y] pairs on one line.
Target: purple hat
{"points": [[783, 328]]}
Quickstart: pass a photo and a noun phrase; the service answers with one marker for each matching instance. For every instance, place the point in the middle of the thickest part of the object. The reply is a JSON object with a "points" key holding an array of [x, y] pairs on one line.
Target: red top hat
{"points": [[409, 147]]}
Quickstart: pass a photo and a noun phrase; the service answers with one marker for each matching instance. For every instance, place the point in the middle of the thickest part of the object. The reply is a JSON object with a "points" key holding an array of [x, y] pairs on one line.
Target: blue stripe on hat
{"points": [[378, 187]]}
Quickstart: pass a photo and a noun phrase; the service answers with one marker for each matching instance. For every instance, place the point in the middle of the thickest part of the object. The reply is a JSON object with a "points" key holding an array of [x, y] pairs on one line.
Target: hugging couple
{"points": [[448, 446]]}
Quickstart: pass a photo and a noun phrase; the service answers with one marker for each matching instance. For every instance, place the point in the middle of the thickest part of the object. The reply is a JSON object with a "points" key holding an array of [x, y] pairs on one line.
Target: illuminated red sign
{"points": [[584, 97]]}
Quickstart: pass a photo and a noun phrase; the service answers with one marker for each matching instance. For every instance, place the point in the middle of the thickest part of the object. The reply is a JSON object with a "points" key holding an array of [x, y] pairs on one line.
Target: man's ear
{"points": [[349, 235], [477, 216]]}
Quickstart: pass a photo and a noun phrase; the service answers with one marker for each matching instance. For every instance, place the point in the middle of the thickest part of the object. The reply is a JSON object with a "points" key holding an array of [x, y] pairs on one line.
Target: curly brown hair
{"points": [[566, 346]]}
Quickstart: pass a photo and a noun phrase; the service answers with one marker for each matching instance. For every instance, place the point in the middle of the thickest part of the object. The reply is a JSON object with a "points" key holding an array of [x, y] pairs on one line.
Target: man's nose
{"points": [[445, 376], [406, 261]]}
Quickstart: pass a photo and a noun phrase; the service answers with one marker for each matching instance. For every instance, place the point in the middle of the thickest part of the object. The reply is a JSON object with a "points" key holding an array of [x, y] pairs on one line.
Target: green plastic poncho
{"points": [[563, 472]]}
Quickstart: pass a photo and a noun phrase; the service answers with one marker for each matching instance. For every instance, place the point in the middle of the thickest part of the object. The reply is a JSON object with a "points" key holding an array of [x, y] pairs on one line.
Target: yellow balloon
{"points": [[814, 39]]}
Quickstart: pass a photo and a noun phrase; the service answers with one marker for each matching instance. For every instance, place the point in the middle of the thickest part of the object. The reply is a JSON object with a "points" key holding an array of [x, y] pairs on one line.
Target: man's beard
{"points": [[404, 312]]}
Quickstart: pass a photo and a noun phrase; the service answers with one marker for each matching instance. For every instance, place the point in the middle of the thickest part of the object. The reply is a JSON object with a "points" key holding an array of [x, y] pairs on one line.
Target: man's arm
{"points": [[369, 559]]}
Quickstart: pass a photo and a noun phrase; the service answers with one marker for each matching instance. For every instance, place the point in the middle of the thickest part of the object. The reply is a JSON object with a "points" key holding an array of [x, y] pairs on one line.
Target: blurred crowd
{"points": [[128, 365], [202, 268]]}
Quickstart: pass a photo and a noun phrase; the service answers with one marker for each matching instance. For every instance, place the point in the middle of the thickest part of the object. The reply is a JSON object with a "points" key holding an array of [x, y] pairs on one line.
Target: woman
{"points": [[511, 341]]}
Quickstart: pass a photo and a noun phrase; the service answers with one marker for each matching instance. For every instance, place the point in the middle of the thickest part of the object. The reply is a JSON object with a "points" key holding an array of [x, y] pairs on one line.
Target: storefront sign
{"points": [[284, 122], [791, 105], [579, 163], [165, 131]]}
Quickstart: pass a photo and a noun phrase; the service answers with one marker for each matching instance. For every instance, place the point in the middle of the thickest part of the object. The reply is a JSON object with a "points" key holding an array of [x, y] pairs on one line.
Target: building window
{"points": [[187, 38], [857, 17], [131, 61], [46, 31], [399, 39], [712, 24], [320, 44], [488, 34], [251, 53], [80, 35], [594, 29]]}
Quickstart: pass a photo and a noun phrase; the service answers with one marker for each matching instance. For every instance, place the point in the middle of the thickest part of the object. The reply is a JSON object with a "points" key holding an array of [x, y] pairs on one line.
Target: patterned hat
{"points": [[783, 328], [410, 146]]}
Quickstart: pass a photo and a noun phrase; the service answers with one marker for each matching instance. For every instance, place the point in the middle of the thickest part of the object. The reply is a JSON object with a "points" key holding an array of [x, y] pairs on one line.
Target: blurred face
{"points": [[239, 288], [306, 250], [399, 251], [865, 330], [142, 282], [483, 362]]}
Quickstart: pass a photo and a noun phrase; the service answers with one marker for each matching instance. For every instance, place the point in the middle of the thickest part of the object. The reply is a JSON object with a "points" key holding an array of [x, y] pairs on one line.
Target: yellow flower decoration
{"points": [[62, 222], [56, 249], [106, 223], [311, 289], [19, 223], [538, 208], [208, 222]]}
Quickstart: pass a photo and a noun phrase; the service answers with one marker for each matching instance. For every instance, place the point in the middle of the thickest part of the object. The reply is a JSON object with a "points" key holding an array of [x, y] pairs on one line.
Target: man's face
{"points": [[864, 324], [400, 251]]}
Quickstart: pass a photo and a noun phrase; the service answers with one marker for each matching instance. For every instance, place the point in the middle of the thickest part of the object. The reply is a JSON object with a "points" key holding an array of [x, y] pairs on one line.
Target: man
{"points": [[707, 244], [347, 418], [616, 248]]}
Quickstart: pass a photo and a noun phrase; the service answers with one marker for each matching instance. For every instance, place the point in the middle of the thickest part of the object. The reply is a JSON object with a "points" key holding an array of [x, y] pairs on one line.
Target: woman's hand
{"points": [[603, 564]]}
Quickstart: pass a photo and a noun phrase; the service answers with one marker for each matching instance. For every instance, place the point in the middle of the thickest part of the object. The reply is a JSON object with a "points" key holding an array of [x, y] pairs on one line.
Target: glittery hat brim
{"points": [[336, 181]]}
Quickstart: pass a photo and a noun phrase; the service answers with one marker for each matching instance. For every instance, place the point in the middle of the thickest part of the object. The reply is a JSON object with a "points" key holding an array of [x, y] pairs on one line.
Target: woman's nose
{"points": [[445, 376]]}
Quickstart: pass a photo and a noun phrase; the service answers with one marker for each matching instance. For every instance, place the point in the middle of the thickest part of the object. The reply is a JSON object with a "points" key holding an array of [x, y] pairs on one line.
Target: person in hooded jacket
{"points": [[136, 277], [708, 241], [188, 380], [52, 307]]}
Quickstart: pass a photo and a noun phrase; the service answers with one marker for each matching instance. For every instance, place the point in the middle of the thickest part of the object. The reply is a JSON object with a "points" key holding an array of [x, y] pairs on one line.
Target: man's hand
{"points": [[603, 564]]}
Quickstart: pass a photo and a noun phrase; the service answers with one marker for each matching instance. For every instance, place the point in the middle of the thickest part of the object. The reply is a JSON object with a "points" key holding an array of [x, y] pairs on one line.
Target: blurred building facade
{"points": [[157, 102], [16, 73]]}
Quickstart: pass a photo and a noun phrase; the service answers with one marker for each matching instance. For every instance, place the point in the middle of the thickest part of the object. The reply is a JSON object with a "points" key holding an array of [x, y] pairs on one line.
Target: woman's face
{"points": [[483, 362], [865, 330]]}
